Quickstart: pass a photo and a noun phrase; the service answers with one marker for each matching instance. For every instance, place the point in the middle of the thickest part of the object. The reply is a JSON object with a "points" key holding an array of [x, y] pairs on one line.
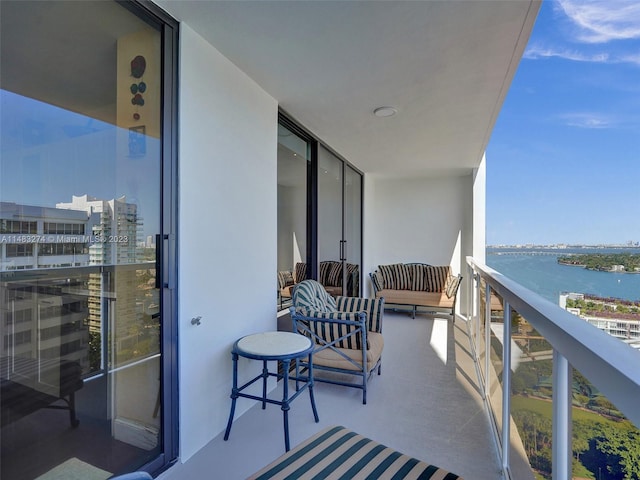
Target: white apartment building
{"points": [[623, 328]]}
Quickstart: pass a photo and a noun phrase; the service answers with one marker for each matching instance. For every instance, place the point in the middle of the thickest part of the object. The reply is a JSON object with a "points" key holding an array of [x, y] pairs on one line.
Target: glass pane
{"points": [[495, 350], [330, 245], [605, 444], [79, 213], [293, 165], [531, 400], [353, 230]]}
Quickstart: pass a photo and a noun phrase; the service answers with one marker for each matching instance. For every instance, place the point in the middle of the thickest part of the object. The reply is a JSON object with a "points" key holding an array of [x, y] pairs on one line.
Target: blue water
{"points": [[539, 271]]}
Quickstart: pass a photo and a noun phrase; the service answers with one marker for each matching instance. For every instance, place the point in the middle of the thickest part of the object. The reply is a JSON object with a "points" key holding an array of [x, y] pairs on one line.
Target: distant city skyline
{"points": [[563, 162]]}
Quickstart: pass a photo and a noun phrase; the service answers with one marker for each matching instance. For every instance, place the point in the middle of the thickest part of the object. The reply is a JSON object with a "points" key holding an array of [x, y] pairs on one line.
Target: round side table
{"points": [[273, 346]]}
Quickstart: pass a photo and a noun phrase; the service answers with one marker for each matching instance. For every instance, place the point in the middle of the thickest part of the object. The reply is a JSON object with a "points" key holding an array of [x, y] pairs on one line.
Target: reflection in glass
{"points": [[330, 241], [79, 214], [293, 166]]}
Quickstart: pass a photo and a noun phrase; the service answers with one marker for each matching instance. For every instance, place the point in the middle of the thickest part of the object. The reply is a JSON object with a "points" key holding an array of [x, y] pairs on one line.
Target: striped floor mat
{"points": [[338, 453]]}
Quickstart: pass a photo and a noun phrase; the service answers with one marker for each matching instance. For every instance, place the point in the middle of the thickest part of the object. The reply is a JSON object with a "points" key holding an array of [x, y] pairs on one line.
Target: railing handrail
{"points": [[610, 364]]}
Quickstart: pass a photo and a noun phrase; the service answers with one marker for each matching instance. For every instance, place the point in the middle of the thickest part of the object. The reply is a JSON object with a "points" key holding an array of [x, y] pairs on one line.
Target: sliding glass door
{"points": [[85, 301], [339, 224], [294, 166]]}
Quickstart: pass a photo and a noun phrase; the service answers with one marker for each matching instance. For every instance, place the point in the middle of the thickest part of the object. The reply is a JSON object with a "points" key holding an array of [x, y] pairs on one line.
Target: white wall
{"points": [[435, 225], [227, 231]]}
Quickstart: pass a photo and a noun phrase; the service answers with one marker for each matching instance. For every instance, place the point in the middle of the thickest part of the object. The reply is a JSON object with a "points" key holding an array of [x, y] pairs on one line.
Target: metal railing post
{"points": [[562, 422], [506, 385]]}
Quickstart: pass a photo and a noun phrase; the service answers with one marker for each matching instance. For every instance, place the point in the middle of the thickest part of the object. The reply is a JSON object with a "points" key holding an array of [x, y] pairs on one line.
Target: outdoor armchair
{"points": [[346, 331]]}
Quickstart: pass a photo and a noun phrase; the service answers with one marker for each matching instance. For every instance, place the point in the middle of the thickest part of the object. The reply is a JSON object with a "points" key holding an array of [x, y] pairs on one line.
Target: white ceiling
{"points": [[445, 65]]}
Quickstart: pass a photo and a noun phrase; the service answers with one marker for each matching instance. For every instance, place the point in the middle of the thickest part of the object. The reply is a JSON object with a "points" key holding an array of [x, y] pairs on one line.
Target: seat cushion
{"points": [[329, 358], [410, 297]]}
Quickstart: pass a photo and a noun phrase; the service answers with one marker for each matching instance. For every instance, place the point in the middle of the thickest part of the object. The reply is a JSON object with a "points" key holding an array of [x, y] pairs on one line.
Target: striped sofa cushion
{"points": [[339, 453], [285, 278], [452, 285], [334, 278], [300, 272], [353, 280], [429, 278], [378, 282], [373, 307], [396, 276], [418, 277]]}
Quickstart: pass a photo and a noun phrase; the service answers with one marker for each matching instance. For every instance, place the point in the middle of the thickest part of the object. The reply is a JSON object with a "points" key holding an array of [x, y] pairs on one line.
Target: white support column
{"points": [[506, 384], [562, 421]]}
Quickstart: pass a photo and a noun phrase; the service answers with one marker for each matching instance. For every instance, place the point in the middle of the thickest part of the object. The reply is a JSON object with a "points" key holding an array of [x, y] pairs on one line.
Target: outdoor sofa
{"points": [[417, 285]]}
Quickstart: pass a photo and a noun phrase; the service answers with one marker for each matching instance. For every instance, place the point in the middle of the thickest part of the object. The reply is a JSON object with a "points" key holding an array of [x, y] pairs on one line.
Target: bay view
{"points": [[538, 270], [606, 446]]}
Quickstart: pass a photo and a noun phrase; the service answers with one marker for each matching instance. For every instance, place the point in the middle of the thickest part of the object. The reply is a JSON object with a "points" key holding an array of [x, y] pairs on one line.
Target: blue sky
{"points": [[563, 162]]}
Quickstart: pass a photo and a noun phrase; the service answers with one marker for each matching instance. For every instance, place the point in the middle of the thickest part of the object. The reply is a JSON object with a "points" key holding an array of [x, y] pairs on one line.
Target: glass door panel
{"points": [[294, 160], [80, 193], [330, 240], [353, 231]]}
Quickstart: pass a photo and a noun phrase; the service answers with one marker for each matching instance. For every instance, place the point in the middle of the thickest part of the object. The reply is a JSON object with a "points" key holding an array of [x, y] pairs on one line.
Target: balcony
{"points": [[426, 403], [440, 398]]}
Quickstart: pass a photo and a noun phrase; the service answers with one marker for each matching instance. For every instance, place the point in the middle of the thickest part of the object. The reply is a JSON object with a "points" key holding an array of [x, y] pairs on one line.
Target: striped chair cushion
{"points": [[330, 332], [300, 272], [396, 276], [309, 296], [373, 307], [338, 453]]}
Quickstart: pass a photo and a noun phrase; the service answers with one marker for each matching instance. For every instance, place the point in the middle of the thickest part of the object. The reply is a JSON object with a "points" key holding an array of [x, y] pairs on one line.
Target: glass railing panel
{"points": [[606, 445], [531, 401], [478, 333], [495, 368]]}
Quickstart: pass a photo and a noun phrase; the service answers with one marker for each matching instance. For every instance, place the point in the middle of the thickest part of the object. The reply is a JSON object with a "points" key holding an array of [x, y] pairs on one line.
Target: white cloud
{"points": [[587, 120], [536, 52], [600, 21]]}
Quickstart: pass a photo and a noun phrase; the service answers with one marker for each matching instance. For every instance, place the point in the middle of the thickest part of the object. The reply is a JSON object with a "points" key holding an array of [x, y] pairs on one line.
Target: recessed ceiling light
{"points": [[385, 112]]}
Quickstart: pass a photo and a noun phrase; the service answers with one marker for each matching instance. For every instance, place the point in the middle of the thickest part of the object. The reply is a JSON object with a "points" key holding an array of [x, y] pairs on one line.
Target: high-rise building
{"points": [[53, 316]]}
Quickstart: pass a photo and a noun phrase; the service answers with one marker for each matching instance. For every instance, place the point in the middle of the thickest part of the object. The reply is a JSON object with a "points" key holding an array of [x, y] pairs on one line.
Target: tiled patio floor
{"points": [[425, 404]]}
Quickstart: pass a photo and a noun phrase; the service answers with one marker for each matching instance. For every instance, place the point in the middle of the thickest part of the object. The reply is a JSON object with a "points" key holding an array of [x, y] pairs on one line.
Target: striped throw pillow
{"points": [[418, 277], [452, 285], [285, 278], [436, 278], [396, 276], [300, 272], [334, 278], [378, 281], [324, 270]]}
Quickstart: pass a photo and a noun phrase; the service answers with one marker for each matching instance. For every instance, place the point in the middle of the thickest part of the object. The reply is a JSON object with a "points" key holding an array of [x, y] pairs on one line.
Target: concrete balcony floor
{"points": [[425, 404]]}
